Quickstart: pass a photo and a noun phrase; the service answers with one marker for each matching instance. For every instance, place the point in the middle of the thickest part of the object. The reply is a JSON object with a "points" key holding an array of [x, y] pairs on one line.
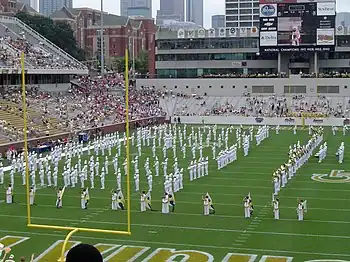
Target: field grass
{"points": [[324, 234]]}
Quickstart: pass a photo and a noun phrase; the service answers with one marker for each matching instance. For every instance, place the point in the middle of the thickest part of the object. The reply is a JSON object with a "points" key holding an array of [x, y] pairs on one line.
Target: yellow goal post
{"points": [[73, 230]]}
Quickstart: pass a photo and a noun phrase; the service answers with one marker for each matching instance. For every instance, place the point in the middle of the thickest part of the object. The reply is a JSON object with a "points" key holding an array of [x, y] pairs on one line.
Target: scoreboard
{"points": [[297, 25]]}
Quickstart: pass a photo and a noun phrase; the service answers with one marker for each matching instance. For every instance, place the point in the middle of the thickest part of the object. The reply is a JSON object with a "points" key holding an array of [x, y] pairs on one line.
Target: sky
{"points": [[211, 7]]}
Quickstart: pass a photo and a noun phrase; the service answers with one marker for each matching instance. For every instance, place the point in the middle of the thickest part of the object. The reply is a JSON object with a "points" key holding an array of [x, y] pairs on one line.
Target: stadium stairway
{"points": [[18, 27], [164, 105]]}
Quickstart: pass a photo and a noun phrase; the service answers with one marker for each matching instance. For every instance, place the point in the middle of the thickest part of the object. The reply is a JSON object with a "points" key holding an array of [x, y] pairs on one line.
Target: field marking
{"points": [[109, 248], [241, 240], [175, 253], [265, 257], [252, 257], [122, 248], [211, 229], [19, 241], [122, 241], [53, 246], [100, 210], [252, 227], [213, 177], [231, 194], [192, 214]]}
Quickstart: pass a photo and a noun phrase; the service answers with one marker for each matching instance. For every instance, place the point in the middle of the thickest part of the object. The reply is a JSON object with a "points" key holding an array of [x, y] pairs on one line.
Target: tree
{"points": [[141, 63], [60, 33], [119, 64]]}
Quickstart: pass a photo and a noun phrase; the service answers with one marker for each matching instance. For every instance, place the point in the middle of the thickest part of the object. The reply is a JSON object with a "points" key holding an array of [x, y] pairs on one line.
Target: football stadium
{"points": [[233, 146]]}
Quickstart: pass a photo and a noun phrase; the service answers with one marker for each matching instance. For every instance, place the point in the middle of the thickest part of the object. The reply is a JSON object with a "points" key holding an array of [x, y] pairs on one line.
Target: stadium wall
{"points": [[239, 86], [241, 120]]}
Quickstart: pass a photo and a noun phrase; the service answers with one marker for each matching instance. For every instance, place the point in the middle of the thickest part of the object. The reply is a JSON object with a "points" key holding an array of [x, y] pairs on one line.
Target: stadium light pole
{"points": [[102, 62]]}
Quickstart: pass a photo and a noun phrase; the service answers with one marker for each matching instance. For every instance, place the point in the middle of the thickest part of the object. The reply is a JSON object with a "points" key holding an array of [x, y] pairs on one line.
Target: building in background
{"points": [[35, 5], [139, 11], [11, 7], [120, 32], [242, 13], [173, 25], [171, 10], [26, 2], [343, 18], [194, 11], [238, 55], [218, 21], [136, 8], [48, 7]]}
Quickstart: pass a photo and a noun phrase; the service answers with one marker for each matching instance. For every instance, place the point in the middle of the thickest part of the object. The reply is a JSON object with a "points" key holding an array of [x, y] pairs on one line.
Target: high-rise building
{"points": [[136, 8], [218, 21], [343, 18], [194, 11], [32, 3], [35, 5], [171, 10], [47, 7], [242, 13], [27, 2]]}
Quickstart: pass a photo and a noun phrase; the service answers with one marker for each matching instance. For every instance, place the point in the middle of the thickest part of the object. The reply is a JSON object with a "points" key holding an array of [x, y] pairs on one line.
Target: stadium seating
{"points": [[94, 102], [16, 37], [256, 105]]}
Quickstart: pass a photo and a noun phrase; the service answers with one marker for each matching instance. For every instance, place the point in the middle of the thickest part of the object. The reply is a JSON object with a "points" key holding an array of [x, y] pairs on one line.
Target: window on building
{"points": [[245, 5], [231, 24], [245, 24], [245, 11], [231, 18], [245, 18], [231, 6], [232, 12]]}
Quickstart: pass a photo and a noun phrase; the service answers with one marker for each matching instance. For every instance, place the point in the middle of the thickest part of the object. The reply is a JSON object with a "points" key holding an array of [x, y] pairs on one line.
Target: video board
{"points": [[297, 25]]}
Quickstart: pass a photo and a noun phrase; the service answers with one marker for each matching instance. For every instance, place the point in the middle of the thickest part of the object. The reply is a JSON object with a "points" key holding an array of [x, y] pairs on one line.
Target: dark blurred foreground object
{"points": [[84, 253]]}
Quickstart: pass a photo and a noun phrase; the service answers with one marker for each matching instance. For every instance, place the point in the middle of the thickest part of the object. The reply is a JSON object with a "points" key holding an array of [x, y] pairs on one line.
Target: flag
{"points": [[120, 194], [148, 197], [305, 206], [211, 200], [87, 194], [64, 188]]}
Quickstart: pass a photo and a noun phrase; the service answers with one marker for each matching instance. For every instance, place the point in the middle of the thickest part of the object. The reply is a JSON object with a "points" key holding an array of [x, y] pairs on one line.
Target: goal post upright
{"points": [[73, 230]]}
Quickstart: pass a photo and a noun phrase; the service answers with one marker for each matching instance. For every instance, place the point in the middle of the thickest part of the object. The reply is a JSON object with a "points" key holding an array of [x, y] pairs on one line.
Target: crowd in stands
{"points": [[265, 106], [333, 74], [266, 75], [110, 81], [92, 104], [36, 56]]}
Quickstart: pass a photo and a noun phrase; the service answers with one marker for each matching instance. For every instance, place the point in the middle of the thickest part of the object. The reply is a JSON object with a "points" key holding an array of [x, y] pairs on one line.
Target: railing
{"points": [[104, 129], [312, 75], [43, 39]]}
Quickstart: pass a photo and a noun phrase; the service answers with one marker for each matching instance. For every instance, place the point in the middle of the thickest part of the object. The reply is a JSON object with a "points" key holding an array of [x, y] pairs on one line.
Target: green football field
{"points": [[187, 235]]}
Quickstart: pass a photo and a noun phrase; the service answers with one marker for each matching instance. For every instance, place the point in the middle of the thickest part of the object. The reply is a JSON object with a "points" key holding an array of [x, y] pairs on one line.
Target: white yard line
{"points": [[114, 240], [261, 218]]}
